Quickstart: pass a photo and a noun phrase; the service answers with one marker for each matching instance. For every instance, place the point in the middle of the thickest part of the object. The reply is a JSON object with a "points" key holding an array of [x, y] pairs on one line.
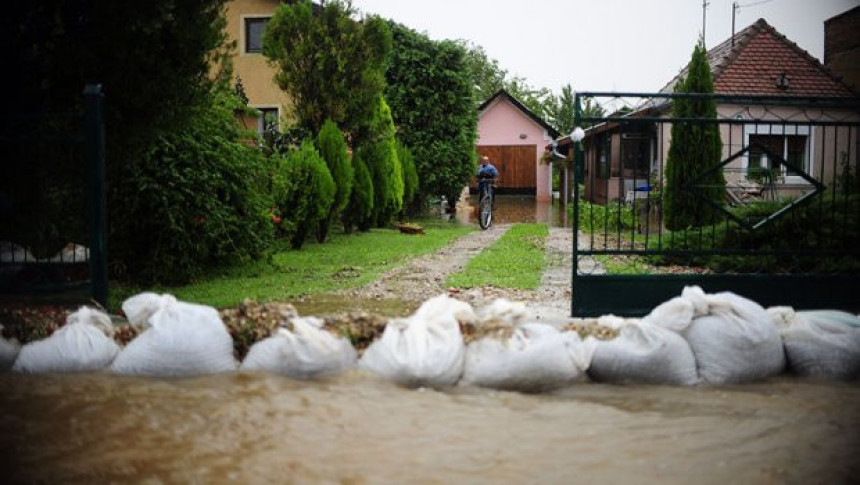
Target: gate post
{"points": [[95, 136], [577, 175]]}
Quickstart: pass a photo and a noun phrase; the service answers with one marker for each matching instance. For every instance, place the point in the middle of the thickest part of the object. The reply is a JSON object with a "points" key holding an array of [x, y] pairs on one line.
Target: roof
{"points": [[537, 119], [759, 54]]}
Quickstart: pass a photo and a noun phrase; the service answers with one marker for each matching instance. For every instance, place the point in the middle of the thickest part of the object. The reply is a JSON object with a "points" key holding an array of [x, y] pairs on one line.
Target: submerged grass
{"points": [[516, 260], [345, 261]]}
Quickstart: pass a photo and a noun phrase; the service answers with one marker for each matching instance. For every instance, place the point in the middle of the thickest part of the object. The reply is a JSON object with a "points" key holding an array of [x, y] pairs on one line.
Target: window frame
{"points": [[783, 131], [247, 20], [261, 120]]}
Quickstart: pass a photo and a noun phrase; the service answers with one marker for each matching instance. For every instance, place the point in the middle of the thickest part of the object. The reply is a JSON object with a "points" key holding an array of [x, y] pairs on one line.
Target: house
{"points": [[513, 137], [246, 22], [842, 46], [625, 158]]}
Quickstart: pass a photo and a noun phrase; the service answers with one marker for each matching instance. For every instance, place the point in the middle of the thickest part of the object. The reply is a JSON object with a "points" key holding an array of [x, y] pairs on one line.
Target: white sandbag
{"points": [[183, 339], [425, 349], [535, 357], [9, 349], [304, 351], [644, 352], [83, 344], [733, 338], [505, 311], [824, 344]]}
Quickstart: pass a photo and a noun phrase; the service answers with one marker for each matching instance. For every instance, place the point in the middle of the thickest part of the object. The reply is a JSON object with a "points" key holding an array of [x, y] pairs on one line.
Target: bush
{"points": [[332, 148], [308, 192], [380, 155], [359, 210], [410, 175], [197, 196], [612, 217]]}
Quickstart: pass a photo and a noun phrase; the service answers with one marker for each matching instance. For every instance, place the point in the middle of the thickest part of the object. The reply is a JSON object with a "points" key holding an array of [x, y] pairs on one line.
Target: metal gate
{"points": [[53, 229], [774, 216]]}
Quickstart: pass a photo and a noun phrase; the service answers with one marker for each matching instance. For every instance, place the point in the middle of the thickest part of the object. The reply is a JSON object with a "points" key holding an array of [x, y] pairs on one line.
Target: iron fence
{"points": [[772, 210], [53, 222]]}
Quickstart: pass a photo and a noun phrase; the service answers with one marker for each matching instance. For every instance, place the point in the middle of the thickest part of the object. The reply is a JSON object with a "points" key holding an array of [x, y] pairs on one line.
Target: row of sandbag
{"points": [[725, 338], [696, 337], [426, 349]]}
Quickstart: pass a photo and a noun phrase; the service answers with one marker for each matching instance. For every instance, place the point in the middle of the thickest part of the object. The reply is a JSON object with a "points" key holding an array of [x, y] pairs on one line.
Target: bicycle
{"points": [[485, 203]]}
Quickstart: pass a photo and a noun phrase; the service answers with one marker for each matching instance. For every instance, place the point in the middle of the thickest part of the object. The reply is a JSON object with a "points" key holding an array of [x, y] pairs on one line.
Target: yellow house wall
{"points": [[257, 76]]}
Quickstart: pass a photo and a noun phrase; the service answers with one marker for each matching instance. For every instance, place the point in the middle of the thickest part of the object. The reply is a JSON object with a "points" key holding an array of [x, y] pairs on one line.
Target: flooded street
{"points": [[515, 209], [356, 429]]}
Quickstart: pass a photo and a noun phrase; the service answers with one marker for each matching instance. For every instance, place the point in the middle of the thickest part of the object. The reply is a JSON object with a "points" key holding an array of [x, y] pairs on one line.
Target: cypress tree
{"points": [[359, 210], [410, 175], [332, 148], [696, 147]]}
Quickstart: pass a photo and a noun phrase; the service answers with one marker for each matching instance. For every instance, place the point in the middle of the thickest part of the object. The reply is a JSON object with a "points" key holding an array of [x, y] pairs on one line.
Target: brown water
{"points": [[357, 429], [516, 208]]}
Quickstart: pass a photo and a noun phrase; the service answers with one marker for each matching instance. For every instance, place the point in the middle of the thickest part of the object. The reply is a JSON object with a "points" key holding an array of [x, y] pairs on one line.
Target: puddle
{"points": [[328, 304]]}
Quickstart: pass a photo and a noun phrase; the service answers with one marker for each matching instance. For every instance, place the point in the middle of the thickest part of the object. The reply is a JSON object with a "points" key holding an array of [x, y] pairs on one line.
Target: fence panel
{"points": [[771, 210]]}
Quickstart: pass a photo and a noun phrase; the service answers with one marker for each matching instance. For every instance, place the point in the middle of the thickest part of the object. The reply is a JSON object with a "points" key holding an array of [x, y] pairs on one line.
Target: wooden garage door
{"points": [[516, 164]]}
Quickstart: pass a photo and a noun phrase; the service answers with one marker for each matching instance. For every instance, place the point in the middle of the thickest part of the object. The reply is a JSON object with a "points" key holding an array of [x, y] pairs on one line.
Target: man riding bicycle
{"points": [[486, 174]]}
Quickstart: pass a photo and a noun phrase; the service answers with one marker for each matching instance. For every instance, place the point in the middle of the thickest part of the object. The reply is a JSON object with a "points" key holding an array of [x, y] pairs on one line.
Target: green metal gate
{"points": [[783, 228], [53, 219]]}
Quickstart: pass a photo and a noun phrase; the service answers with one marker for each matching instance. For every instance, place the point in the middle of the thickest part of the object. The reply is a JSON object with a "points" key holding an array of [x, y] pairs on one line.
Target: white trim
{"points": [[243, 46], [783, 130]]}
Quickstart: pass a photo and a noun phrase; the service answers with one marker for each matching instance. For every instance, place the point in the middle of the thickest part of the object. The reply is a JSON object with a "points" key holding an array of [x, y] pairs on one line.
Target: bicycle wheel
{"points": [[485, 212]]}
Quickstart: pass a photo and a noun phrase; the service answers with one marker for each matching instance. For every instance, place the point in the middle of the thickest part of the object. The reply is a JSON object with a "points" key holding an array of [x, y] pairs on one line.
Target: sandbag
{"points": [[643, 352], [9, 349], [532, 357], [822, 344], [505, 311], [733, 338], [303, 351], [425, 349], [83, 344], [182, 339]]}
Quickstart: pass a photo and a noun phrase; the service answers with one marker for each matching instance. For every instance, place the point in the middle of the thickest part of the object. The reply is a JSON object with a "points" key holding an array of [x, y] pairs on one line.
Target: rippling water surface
{"points": [[356, 429]]}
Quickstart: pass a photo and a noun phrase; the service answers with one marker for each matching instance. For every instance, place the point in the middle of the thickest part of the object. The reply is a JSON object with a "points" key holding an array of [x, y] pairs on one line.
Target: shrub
{"points": [[332, 148], [410, 175], [195, 197], [380, 155], [359, 210], [309, 192]]}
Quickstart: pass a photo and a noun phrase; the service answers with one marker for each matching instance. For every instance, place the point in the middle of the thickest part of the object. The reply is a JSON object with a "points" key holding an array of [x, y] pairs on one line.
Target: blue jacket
{"points": [[487, 171]]}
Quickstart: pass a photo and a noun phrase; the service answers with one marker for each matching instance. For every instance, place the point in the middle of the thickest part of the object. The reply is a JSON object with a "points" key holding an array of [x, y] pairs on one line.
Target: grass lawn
{"points": [[516, 260], [345, 261]]}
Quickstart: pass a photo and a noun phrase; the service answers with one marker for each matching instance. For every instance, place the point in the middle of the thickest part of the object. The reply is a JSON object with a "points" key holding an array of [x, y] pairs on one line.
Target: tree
{"points": [[695, 149], [559, 110], [309, 195], [359, 210], [380, 155], [410, 175], [487, 76], [431, 96], [168, 126], [332, 148], [331, 66]]}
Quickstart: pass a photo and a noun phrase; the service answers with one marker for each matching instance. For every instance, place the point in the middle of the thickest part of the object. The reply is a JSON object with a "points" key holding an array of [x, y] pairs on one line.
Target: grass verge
{"points": [[345, 261], [516, 260]]}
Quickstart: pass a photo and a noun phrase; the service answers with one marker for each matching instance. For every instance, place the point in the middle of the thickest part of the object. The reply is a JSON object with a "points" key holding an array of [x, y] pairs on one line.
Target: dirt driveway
{"points": [[424, 277]]}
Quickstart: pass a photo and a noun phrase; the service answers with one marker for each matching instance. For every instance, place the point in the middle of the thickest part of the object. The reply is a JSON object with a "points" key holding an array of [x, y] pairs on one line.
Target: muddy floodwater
{"points": [[357, 429], [516, 209]]}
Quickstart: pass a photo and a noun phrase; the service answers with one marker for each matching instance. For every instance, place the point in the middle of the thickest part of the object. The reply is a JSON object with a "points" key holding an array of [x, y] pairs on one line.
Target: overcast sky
{"points": [[602, 45]]}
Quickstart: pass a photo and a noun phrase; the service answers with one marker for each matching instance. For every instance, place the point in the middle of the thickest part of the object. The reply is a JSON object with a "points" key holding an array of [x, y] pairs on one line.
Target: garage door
{"points": [[516, 164]]}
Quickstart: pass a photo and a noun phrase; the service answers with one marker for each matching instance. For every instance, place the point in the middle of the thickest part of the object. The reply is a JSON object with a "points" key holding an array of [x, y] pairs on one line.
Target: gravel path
{"points": [[424, 277]]}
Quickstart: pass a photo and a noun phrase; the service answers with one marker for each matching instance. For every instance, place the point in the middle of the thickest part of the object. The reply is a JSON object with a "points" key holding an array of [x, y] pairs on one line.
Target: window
{"points": [[268, 118], [604, 156], [792, 144], [254, 28]]}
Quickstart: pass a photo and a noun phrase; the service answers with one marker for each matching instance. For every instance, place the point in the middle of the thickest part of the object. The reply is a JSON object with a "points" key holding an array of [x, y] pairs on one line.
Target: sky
{"points": [[603, 45]]}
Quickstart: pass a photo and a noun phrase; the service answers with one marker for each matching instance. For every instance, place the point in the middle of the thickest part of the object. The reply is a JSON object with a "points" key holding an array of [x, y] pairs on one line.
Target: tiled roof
{"points": [[520, 106], [759, 55]]}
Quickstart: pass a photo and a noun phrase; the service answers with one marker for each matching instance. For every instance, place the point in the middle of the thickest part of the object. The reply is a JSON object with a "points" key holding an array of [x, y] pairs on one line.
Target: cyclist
{"points": [[486, 174]]}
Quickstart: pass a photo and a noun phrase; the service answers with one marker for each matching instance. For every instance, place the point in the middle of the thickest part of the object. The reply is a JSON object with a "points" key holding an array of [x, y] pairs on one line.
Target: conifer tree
{"points": [[332, 148], [696, 148]]}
